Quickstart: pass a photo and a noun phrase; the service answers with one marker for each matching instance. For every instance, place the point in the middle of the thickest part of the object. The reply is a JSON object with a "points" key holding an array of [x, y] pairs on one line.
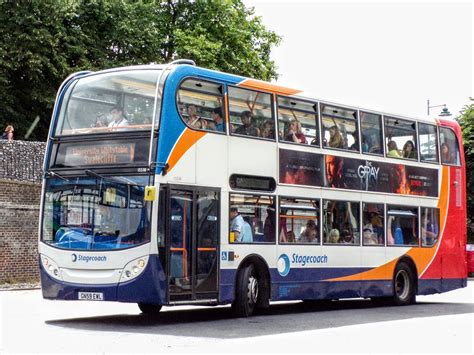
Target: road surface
{"points": [[438, 323]]}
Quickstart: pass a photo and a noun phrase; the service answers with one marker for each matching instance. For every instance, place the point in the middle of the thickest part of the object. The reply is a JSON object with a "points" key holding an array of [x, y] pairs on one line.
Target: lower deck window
{"points": [[341, 222], [299, 221], [402, 225], [251, 219], [429, 226], [373, 224]]}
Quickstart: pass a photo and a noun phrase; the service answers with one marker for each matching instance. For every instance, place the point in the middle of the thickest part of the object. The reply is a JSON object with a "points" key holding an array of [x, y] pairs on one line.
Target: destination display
{"points": [[249, 182], [109, 152], [303, 168]]}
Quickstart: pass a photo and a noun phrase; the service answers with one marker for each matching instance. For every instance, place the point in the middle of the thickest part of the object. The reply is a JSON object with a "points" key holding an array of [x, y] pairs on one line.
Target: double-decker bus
{"points": [[174, 184]]}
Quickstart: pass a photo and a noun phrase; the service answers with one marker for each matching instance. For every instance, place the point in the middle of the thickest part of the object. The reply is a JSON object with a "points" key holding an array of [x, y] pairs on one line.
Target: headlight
{"points": [[133, 269], [51, 267]]}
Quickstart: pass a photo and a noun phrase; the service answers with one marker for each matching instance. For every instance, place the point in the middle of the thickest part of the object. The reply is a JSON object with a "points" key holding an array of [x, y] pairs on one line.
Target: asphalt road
{"points": [[436, 324]]}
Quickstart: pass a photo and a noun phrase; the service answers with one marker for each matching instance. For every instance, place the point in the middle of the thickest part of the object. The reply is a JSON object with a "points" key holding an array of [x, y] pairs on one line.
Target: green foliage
{"points": [[466, 120], [42, 42]]}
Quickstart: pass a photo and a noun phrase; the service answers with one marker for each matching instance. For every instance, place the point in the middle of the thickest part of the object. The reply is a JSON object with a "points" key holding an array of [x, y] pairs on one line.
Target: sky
{"points": [[385, 56]]}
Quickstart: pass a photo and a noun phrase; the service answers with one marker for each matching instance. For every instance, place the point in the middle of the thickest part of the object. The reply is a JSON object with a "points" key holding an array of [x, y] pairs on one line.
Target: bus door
{"points": [[192, 243]]}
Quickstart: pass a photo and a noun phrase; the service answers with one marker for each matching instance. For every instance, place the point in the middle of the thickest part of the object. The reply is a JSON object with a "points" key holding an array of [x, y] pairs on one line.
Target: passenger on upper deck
{"points": [[446, 157], [267, 130], [219, 123], [295, 133], [335, 138], [118, 119], [247, 128], [409, 150], [193, 120], [393, 150]]}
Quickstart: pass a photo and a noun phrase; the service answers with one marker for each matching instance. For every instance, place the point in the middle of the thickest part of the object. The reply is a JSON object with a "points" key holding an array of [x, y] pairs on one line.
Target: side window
{"points": [[449, 147], [252, 219], [428, 142], [341, 222], [402, 225], [400, 138], [251, 113], [429, 226], [373, 229], [297, 121], [371, 132], [339, 128], [299, 221], [200, 105]]}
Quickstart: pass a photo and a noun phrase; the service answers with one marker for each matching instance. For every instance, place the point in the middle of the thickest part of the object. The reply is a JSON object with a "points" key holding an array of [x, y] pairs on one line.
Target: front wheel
{"points": [[149, 308], [403, 285], [247, 292]]}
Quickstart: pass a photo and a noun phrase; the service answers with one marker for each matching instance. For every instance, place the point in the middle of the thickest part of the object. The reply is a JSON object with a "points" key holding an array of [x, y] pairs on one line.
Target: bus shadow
{"points": [[219, 322]]}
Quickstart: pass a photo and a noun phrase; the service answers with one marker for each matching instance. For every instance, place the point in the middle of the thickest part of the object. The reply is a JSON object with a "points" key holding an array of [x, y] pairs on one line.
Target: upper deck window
{"points": [[339, 128], [111, 102], [371, 132], [251, 113], [400, 137], [297, 121], [428, 142], [449, 147], [200, 105]]}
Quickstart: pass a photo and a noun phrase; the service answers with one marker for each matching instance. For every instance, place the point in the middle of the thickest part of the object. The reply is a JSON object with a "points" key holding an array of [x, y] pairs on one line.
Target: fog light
{"points": [[128, 273]]}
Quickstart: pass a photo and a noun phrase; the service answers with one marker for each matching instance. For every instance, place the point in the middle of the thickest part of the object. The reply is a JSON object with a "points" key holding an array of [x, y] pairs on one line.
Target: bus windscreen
{"points": [[96, 213]]}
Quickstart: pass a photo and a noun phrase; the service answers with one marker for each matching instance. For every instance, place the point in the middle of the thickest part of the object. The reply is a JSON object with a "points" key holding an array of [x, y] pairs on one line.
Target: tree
{"points": [[42, 42], [466, 120]]}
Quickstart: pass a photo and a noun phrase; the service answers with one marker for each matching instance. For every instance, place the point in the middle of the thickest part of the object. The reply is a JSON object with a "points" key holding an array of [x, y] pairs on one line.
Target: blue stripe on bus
{"points": [[149, 287], [172, 127], [310, 284]]}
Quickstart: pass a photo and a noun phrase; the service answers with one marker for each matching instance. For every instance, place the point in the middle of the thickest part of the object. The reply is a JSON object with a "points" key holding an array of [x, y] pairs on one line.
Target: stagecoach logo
{"points": [[283, 265], [284, 262], [368, 172], [87, 258]]}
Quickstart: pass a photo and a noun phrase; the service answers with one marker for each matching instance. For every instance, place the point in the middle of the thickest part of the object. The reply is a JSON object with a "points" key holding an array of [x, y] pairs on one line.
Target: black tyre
{"points": [[404, 292], [247, 292], [149, 308]]}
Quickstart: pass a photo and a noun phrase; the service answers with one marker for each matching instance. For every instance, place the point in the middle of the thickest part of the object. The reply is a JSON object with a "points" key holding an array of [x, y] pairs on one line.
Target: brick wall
{"points": [[20, 190], [19, 213]]}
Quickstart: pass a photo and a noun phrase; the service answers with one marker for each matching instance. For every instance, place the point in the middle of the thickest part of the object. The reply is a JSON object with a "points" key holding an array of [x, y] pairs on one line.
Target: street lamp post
{"points": [[444, 112]]}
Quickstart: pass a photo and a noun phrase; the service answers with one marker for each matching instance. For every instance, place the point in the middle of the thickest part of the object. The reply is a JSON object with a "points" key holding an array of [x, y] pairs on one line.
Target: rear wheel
{"points": [[149, 308], [403, 285], [247, 292]]}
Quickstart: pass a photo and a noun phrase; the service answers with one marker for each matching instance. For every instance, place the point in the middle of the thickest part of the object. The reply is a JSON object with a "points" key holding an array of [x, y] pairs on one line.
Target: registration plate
{"points": [[90, 296]]}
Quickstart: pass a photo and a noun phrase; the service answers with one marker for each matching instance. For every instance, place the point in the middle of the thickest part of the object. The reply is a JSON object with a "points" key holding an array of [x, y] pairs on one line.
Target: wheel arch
{"points": [[263, 273], [411, 263]]}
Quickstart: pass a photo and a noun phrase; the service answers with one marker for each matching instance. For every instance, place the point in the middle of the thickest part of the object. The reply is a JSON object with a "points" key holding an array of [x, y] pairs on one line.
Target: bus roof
{"points": [[261, 85]]}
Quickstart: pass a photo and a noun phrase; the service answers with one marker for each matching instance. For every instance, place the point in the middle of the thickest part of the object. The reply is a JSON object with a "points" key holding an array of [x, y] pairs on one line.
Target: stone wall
{"points": [[21, 161], [20, 190]]}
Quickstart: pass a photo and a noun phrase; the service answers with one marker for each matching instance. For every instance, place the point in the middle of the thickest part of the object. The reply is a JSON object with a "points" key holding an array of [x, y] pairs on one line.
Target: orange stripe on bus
{"points": [[421, 256], [186, 141], [261, 85]]}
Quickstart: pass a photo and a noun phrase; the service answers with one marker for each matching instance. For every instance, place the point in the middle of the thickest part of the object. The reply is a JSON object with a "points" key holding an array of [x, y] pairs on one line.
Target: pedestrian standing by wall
{"points": [[8, 134]]}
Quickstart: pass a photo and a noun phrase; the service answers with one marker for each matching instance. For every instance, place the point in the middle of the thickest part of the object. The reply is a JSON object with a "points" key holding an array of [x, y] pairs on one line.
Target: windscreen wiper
{"points": [[53, 174], [92, 173]]}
